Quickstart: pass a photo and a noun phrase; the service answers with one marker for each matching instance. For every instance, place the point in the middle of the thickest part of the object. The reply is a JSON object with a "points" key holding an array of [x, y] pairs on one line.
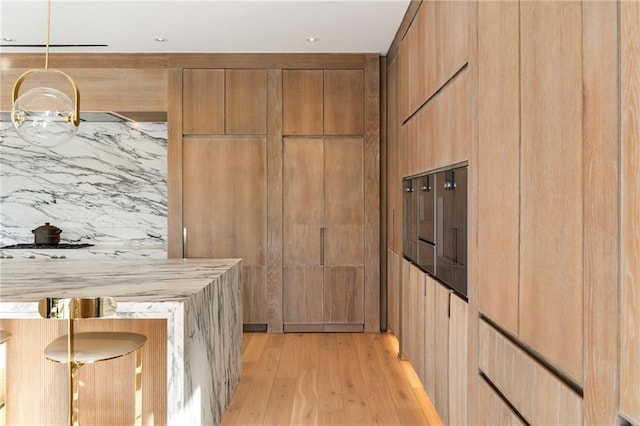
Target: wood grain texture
{"points": [[274, 208], [343, 102], [408, 18], [37, 388], [254, 294], [267, 60], [303, 186], [458, 353], [601, 240], [203, 101], [233, 170], [393, 291], [441, 348], [174, 169], [630, 220], [492, 410], [411, 39], [343, 207], [303, 290], [343, 295], [372, 205], [245, 102], [452, 34], [101, 89], [427, 39], [85, 60], [551, 230], [413, 331], [538, 395], [393, 178], [302, 102], [499, 161], [430, 348]]}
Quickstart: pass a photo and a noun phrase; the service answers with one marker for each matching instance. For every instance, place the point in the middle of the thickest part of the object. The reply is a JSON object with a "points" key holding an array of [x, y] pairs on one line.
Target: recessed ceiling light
{"points": [[160, 39], [8, 39], [312, 39]]}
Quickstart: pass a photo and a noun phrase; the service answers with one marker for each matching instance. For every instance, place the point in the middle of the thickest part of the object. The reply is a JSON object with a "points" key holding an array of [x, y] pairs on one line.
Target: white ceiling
{"points": [[356, 26]]}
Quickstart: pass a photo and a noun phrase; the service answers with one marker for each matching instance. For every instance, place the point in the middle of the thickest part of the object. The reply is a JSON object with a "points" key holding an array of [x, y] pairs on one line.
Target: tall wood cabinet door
{"points": [[343, 210], [430, 347], [452, 32], [303, 184], [343, 102], [498, 161], [458, 363], [302, 102], [393, 291], [246, 102], [551, 225], [343, 230], [224, 209], [441, 345], [203, 101], [414, 326]]}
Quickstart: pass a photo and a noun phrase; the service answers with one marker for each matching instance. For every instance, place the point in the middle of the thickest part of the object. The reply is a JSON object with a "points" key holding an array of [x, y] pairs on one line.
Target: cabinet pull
{"points": [[184, 242]]}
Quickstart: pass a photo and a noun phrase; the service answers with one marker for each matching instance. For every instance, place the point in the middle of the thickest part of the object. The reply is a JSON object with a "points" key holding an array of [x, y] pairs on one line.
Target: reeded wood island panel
{"points": [[190, 311]]}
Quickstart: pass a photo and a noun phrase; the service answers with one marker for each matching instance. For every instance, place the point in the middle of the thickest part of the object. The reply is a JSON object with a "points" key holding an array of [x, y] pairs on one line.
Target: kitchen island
{"points": [[193, 310]]}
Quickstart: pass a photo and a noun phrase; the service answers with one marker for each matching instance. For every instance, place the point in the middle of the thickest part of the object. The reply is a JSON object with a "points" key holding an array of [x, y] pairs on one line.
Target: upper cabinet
{"points": [[218, 101], [323, 102]]}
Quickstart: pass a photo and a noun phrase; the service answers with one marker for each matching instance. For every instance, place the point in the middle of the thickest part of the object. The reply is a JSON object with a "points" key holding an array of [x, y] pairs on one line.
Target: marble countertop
{"points": [[127, 280]]}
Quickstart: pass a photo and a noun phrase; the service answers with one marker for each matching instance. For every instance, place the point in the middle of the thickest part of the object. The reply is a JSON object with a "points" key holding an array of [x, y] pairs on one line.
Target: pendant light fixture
{"points": [[45, 116]]}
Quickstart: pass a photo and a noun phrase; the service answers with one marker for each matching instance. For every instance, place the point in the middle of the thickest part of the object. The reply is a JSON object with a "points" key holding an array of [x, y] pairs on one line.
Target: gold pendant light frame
{"points": [[75, 118]]}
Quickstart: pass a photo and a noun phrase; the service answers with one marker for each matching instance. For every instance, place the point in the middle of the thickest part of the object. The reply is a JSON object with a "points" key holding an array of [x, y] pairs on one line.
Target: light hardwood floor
{"points": [[327, 379]]}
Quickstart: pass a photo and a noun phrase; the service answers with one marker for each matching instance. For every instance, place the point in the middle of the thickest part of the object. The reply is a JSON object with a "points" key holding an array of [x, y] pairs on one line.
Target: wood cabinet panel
{"points": [[452, 31], [551, 230], [343, 102], [499, 161], [427, 137], [441, 348], [430, 348], [302, 102], [254, 294], [343, 208], [630, 220], [303, 295], [203, 101], [224, 198], [539, 396], [393, 292], [492, 410], [303, 186], [245, 102], [458, 362], [411, 39], [413, 299], [394, 178], [343, 295], [427, 40]]}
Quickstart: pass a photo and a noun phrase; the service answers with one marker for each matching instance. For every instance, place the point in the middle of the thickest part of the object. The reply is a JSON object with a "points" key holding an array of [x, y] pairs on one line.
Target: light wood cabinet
{"points": [[539, 396], [551, 192], [413, 324], [203, 101], [630, 219], [245, 102], [343, 102], [441, 351], [458, 362], [302, 102], [492, 410], [323, 231], [224, 209], [498, 162], [393, 292]]}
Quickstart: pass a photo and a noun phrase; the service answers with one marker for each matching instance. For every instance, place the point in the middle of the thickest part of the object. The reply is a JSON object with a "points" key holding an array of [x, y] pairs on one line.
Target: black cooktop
{"points": [[48, 247]]}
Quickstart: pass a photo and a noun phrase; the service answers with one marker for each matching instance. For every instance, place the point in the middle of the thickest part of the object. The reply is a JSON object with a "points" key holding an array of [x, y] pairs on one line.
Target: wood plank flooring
{"points": [[327, 379]]}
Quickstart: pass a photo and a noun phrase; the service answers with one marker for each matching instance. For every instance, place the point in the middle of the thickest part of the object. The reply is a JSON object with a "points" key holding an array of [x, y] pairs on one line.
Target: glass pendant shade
{"points": [[44, 117]]}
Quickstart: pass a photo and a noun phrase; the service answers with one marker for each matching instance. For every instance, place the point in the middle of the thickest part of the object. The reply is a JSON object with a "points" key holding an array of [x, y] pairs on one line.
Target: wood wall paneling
{"points": [[458, 352], [452, 31], [498, 161], [174, 169], [343, 102], [601, 241], [37, 388], [537, 394], [413, 332], [427, 39], [441, 347], [302, 102], [551, 261], [343, 295], [303, 294], [630, 220], [233, 170], [101, 89], [245, 101], [430, 348], [203, 101], [393, 292], [413, 62], [274, 209], [492, 410]]}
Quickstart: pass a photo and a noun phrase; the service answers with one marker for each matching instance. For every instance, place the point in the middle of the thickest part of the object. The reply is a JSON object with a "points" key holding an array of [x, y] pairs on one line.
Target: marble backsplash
{"points": [[107, 186]]}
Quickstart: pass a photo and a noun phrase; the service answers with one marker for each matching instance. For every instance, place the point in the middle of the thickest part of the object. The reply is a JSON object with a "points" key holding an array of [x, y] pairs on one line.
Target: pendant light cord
{"points": [[46, 52]]}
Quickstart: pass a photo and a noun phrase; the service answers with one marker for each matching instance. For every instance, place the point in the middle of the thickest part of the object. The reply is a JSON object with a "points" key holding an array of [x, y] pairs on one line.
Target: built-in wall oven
{"points": [[435, 223]]}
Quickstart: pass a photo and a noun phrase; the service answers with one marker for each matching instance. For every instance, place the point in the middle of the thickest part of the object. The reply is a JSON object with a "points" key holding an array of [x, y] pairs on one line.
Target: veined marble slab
{"points": [[108, 185], [201, 299]]}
